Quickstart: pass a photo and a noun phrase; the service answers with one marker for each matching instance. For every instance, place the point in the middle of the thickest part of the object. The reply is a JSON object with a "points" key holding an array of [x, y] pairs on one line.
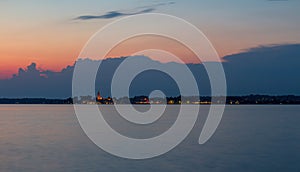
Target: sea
{"points": [[248, 138]]}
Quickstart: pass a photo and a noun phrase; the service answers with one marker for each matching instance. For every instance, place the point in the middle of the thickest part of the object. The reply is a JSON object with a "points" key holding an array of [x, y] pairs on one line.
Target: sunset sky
{"points": [[48, 33]]}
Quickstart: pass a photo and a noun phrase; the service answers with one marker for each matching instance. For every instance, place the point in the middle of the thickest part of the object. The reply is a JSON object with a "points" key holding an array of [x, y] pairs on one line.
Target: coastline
{"points": [[192, 100]]}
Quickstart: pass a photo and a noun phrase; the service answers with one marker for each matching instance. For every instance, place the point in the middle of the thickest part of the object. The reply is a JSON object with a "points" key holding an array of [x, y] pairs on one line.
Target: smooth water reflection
{"points": [[249, 138]]}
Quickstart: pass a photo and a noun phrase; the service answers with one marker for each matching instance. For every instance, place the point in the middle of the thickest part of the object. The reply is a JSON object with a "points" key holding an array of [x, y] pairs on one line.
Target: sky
{"points": [[52, 33]]}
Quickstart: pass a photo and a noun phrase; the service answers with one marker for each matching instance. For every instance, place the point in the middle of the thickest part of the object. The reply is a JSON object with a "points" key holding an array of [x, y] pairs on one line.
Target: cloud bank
{"points": [[262, 70]]}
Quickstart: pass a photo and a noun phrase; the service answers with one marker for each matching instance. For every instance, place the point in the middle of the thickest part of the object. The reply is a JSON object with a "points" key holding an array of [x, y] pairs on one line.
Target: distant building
{"points": [[102, 100], [99, 98], [139, 100]]}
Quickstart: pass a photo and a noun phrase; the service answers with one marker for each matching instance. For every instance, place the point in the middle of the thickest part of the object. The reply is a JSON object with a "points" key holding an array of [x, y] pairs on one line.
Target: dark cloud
{"points": [[114, 14], [265, 70], [33, 82], [262, 70]]}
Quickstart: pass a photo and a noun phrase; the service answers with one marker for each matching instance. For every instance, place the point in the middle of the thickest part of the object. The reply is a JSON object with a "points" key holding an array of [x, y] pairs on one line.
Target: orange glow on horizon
{"points": [[146, 42], [55, 54]]}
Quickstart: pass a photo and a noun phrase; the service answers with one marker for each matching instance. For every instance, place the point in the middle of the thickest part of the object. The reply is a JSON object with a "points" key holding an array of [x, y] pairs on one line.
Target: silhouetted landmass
{"points": [[234, 100], [36, 101], [263, 99]]}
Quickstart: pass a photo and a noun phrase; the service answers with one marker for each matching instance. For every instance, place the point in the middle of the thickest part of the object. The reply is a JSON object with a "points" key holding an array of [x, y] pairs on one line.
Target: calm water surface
{"points": [[249, 138]]}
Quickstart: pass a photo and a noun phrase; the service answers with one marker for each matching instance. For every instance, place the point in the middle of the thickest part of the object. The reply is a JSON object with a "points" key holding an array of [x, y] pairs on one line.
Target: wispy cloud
{"points": [[114, 14], [277, 0]]}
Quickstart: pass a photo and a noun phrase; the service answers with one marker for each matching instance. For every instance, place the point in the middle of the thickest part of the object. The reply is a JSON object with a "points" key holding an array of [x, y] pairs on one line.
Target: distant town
{"points": [[196, 100]]}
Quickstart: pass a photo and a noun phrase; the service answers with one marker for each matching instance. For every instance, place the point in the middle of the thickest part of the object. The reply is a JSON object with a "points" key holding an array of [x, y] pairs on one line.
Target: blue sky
{"points": [[45, 31]]}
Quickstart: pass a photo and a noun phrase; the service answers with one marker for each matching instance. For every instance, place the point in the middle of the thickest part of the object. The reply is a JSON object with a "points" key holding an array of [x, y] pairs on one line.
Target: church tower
{"points": [[99, 98]]}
